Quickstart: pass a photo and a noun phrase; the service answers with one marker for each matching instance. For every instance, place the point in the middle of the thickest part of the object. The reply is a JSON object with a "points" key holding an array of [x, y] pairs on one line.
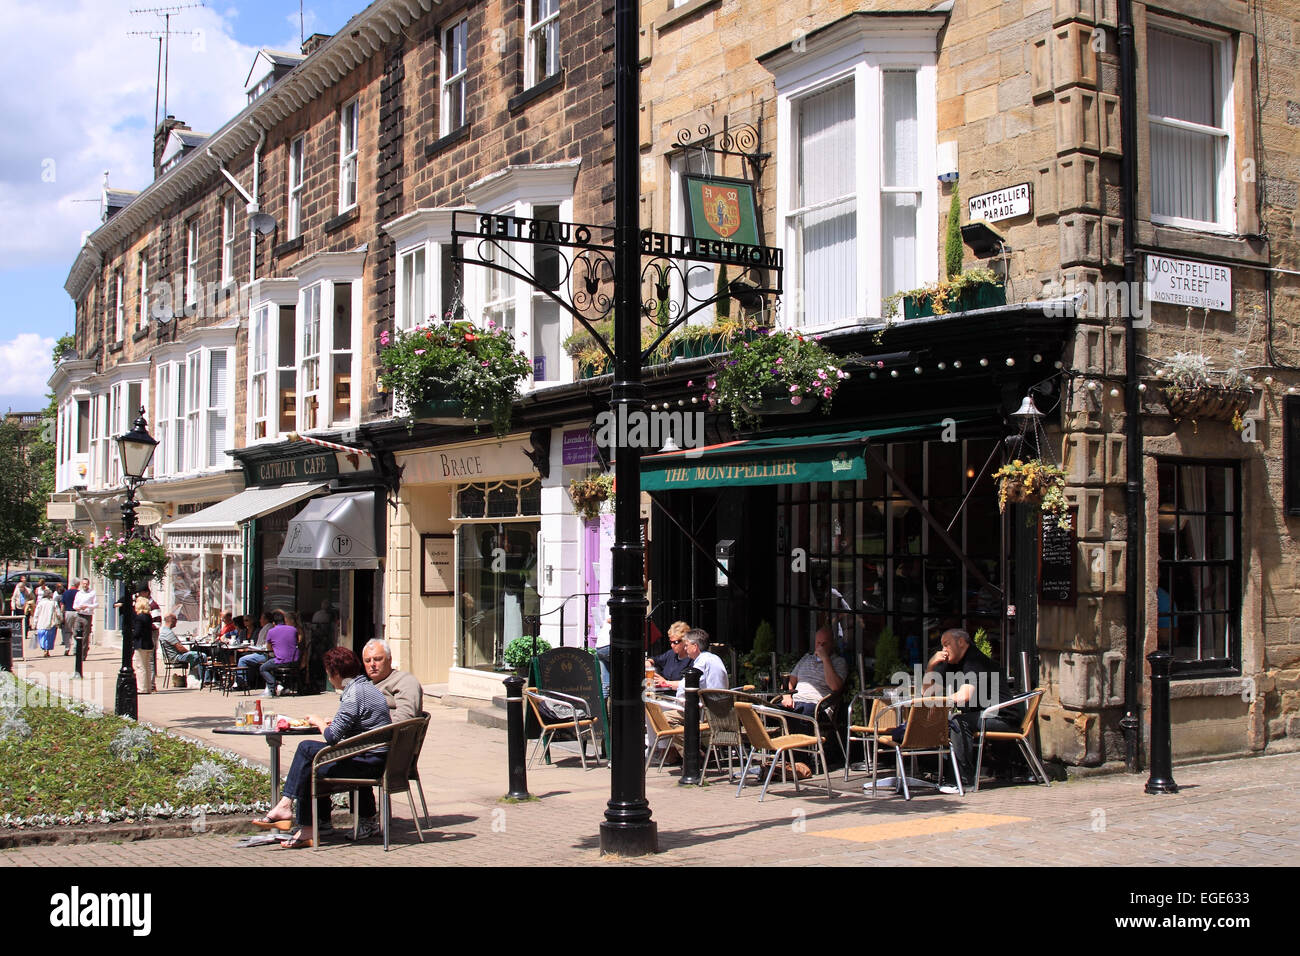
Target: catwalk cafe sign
{"points": [[283, 471]]}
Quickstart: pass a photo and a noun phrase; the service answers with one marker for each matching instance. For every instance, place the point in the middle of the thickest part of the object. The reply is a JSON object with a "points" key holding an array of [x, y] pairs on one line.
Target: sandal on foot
{"points": [[266, 823], [296, 842]]}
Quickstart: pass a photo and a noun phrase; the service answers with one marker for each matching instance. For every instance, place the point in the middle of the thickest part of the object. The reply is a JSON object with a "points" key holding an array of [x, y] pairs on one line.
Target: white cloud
{"points": [[25, 368], [78, 97]]}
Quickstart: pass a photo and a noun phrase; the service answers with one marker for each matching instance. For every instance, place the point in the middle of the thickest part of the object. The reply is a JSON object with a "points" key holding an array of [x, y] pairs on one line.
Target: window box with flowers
{"points": [[972, 289], [1194, 390], [1035, 481], [775, 373], [131, 560], [454, 372]]}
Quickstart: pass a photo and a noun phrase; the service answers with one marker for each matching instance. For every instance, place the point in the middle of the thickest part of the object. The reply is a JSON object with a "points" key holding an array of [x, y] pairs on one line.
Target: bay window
{"points": [[194, 408], [856, 193], [328, 326], [427, 290], [272, 374]]}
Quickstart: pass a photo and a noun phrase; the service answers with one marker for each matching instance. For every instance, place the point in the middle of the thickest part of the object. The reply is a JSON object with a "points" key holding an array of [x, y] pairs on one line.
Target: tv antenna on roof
{"points": [[164, 46]]}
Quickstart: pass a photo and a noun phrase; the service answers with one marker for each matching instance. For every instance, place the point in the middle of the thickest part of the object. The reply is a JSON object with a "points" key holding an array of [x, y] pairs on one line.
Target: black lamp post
{"points": [[135, 451]]}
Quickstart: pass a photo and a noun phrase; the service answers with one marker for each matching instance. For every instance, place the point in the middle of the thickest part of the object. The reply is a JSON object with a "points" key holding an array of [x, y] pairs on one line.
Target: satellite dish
{"points": [[263, 223]]}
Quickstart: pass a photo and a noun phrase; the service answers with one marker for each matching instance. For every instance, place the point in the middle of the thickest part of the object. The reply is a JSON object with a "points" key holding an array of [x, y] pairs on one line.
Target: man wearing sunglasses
{"points": [[672, 662]]}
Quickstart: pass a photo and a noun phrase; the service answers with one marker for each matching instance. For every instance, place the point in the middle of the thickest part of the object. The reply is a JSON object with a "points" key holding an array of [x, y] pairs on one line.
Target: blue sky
{"points": [[78, 94]]}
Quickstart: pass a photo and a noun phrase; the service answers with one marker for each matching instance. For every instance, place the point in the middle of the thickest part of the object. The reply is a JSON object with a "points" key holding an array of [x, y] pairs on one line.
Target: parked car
{"points": [[33, 578]]}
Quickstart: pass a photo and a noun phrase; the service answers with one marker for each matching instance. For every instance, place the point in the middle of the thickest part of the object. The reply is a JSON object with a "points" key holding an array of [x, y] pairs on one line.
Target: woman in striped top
{"points": [[362, 708]]}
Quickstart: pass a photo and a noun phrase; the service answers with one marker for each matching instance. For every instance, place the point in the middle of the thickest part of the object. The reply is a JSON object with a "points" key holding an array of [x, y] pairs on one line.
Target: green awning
{"points": [[792, 459]]}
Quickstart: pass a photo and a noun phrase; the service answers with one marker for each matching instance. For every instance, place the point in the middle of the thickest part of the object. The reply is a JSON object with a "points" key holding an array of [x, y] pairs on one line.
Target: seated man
{"points": [[176, 653], [974, 682], [673, 661], [817, 674], [283, 641], [714, 676], [403, 692]]}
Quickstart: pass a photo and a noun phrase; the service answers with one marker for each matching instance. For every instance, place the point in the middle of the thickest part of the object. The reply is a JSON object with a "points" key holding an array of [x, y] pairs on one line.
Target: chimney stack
{"points": [[160, 141]]}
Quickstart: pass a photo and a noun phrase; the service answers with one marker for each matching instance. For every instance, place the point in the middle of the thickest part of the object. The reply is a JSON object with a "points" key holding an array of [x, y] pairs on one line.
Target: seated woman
{"points": [[362, 708]]}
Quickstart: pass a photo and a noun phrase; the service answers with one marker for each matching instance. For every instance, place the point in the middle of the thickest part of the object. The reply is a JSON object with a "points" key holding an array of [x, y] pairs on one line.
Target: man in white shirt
{"points": [[86, 604], [817, 674], [714, 676]]}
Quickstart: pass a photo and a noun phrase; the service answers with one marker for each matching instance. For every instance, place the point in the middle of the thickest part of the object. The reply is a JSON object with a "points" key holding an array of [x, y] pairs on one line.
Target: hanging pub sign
{"points": [[1201, 285], [722, 208]]}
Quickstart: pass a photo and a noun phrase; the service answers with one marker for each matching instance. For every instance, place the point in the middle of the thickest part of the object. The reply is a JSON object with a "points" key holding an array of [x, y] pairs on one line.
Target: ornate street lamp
{"points": [[135, 451]]}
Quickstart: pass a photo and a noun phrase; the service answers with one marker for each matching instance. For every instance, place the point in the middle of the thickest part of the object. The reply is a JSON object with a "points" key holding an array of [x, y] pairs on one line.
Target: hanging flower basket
{"points": [[132, 560], [1219, 403], [441, 406], [775, 402], [590, 494], [1034, 482], [778, 373]]}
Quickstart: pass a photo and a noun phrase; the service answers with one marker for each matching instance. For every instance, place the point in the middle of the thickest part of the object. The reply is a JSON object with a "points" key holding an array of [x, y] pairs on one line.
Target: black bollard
{"points": [[1162, 771], [517, 745], [691, 722]]}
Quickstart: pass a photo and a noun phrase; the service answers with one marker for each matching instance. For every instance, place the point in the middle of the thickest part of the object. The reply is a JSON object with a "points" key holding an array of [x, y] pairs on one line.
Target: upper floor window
{"points": [[119, 306], [297, 157], [1199, 591], [144, 289], [1189, 76], [327, 328], [455, 53], [543, 40], [227, 239], [193, 410], [856, 195], [348, 128], [192, 261]]}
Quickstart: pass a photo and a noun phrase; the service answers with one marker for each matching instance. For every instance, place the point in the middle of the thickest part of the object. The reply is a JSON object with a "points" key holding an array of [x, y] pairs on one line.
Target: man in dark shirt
{"points": [[69, 601], [674, 661], [974, 682]]}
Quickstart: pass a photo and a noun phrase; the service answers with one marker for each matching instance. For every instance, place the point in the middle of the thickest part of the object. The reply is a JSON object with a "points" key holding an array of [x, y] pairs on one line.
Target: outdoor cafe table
{"points": [[273, 741]]}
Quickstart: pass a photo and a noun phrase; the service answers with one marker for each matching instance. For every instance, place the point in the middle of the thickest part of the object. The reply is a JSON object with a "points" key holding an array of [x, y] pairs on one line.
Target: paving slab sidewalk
{"points": [[1243, 812]]}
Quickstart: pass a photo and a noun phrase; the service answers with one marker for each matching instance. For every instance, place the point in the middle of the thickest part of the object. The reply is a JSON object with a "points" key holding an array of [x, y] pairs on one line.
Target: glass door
{"points": [[497, 583]]}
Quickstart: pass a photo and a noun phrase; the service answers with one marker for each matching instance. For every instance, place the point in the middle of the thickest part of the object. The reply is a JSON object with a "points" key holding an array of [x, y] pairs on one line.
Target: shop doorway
{"points": [[498, 600]]}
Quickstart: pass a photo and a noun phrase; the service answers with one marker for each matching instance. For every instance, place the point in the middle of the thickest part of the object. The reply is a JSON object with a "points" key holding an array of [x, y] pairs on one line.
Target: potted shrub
{"points": [[1034, 481], [590, 494], [129, 560], [519, 653], [453, 372], [973, 289], [696, 341], [775, 373], [1195, 390]]}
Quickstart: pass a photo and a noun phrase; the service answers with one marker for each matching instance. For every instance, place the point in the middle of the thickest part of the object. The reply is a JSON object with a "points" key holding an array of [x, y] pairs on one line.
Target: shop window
{"points": [[1189, 74], [502, 499], [1199, 592]]}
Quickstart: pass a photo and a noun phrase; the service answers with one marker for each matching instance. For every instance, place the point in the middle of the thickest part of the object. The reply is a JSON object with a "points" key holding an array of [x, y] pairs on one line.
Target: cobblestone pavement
{"points": [[1242, 812]]}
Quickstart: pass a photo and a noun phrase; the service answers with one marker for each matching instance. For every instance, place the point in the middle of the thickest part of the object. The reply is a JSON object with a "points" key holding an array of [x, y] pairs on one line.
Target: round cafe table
{"points": [[273, 742]]}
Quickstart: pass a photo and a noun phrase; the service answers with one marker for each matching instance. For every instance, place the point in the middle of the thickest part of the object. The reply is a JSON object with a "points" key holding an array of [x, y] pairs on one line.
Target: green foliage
{"points": [[952, 250], [127, 559], [724, 294], [590, 493], [944, 294], [22, 490], [520, 651], [784, 364], [64, 345], [479, 366], [981, 642], [764, 638], [889, 658]]}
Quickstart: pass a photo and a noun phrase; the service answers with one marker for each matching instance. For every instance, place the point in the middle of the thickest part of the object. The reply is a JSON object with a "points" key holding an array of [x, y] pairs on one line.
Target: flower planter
{"points": [[1208, 402], [986, 295], [777, 403], [441, 407], [1014, 491]]}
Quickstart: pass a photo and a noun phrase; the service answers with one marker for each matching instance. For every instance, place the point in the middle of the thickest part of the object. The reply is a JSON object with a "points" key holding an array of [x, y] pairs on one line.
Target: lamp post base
{"points": [[637, 838], [1161, 786], [126, 701]]}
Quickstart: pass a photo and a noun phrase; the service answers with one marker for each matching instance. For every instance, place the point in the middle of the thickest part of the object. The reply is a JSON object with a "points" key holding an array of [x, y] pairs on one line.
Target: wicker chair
{"points": [[925, 733], [724, 726], [761, 740], [555, 712], [878, 717], [654, 713], [1028, 726], [403, 740]]}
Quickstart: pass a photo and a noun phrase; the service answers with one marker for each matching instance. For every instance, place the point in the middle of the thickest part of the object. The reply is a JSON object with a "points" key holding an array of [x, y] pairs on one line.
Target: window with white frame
{"points": [[176, 456], [856, 193], [227, 240], [427, 288], [1189, 76], [98, 440], [259, 359], [217, 405], [499, 288], [542, 32], [455, 54], [272, 375], [329, 313], [286, 394], [548, 270], [192, 262], [194, 409], [144, 289], [348, 127], [413, 287], [297, 158], [119, 306], [162, 423]]}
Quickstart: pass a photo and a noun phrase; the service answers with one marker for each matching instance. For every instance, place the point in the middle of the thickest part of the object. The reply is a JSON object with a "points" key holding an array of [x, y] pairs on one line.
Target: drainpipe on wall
{"points": [[254, 206], [1135, 549]]}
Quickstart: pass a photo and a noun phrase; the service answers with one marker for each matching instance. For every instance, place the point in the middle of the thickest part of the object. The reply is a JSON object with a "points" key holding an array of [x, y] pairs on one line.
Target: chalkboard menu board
{"points": [[1056, 550], [573, 671], [11, 633]]}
